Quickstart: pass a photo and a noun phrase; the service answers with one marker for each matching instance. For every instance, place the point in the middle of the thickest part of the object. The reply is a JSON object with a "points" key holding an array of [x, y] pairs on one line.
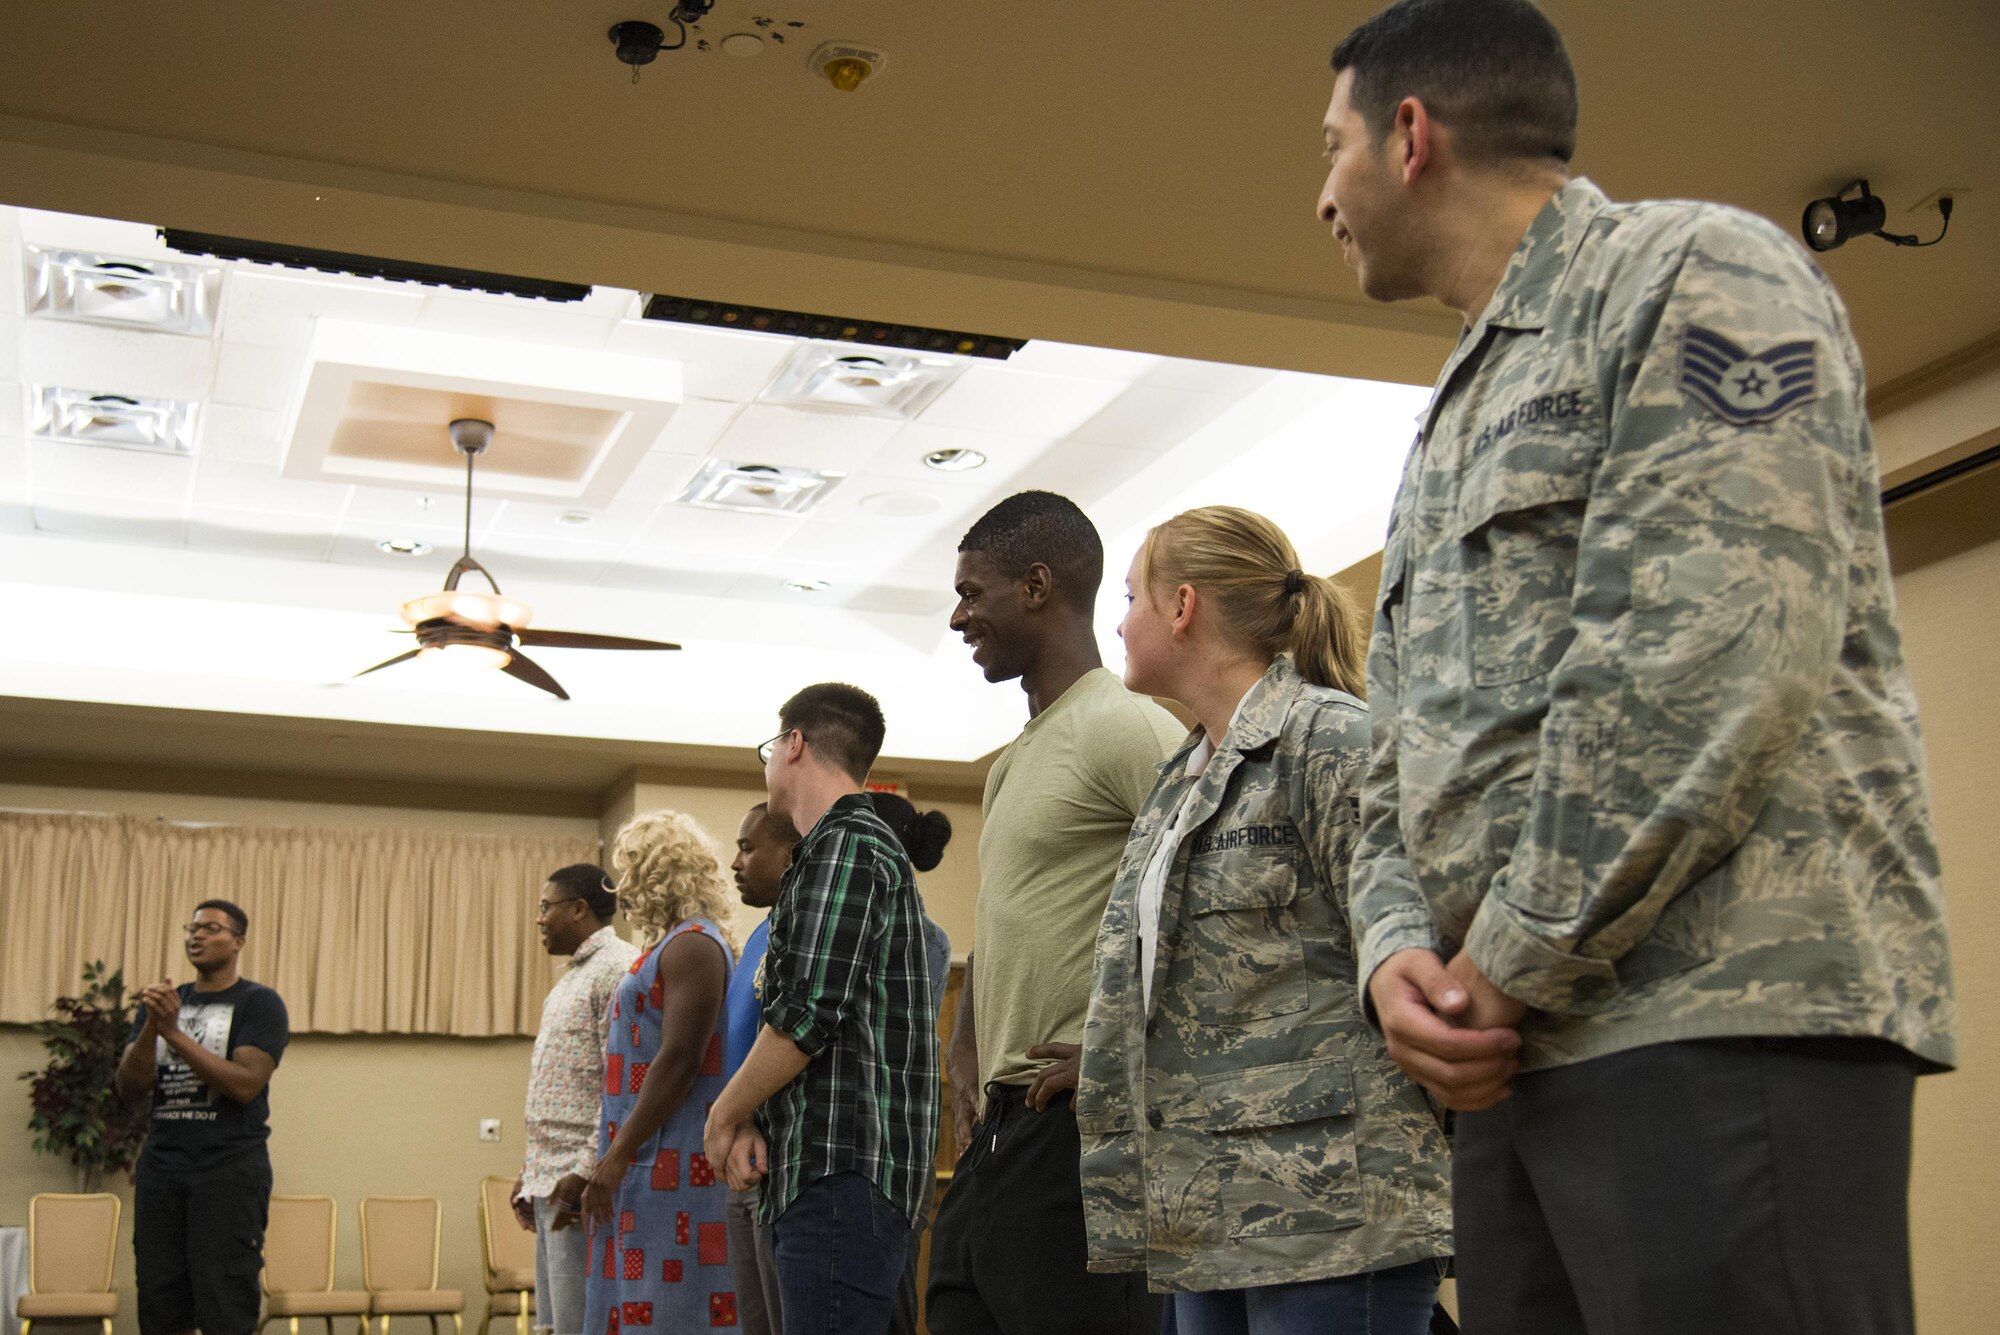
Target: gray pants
{"points": [[560, 1261], [1725, 1187], [755, 1265]]}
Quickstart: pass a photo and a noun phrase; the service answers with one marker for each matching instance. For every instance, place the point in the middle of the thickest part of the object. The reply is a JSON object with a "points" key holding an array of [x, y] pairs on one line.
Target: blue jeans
{"points": [[1396, 1301], [561, 1259], [840, 1246]]}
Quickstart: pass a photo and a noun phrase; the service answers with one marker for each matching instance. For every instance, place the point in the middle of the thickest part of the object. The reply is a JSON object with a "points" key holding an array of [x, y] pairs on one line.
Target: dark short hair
{"points": [[923, 834], [588, 882], [1040, 526], [1493, 72], [841, 722], [237, 917], [770, 825]]}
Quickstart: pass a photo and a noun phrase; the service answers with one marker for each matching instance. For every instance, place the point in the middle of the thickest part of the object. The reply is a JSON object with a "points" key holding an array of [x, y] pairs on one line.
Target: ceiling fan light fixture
{"points": [[487, 611], [467, 630], [465, 657]]}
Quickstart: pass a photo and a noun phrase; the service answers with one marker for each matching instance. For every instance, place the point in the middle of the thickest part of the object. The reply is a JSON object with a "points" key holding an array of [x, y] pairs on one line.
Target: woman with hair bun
{"points": [[923, 836], [655, 1208], [1246, 1139]]}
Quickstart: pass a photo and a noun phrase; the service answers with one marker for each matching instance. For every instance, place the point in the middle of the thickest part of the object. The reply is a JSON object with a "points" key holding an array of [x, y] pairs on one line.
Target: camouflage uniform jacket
{"points": [[1644, 744], [1252, 1130]]}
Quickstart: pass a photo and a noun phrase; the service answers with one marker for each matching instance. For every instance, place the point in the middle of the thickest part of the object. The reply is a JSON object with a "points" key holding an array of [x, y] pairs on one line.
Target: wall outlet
{"points": [[489, 1128]]}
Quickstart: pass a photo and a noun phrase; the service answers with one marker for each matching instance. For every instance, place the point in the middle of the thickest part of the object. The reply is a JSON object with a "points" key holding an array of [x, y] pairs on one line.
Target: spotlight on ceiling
{"points": [[1832, 222], [639, 43]]}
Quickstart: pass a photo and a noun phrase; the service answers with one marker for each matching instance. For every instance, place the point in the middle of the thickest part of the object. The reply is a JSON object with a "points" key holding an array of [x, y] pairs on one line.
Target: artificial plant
{"points": [[77, 1111]]}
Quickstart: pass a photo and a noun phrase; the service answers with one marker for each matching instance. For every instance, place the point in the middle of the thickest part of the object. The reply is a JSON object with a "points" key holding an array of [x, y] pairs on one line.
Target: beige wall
{"points": [[350, 1117], [1953, 640]]}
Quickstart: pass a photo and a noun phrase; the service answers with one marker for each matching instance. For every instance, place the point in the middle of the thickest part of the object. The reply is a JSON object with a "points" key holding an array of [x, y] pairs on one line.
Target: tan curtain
{"points": [[361, 931]]}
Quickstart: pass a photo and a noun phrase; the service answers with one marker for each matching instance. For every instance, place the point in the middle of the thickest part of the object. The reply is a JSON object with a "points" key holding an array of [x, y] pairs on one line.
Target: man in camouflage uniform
{"points": [[1250, 1130], [1646, 768]]}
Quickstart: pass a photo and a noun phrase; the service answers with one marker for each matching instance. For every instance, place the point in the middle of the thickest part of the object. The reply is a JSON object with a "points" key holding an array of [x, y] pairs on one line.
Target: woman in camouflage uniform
{"points": [[1246, 1139]]}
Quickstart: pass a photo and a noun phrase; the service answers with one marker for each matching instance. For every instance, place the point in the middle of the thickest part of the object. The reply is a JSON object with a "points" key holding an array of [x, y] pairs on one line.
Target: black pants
{"points": [[1723, 1187], [1007, 1250], [198, 1244]]}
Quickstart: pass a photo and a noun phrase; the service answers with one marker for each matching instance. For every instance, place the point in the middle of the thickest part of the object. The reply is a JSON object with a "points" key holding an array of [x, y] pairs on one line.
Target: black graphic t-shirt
{"points": [[194, 1125]]}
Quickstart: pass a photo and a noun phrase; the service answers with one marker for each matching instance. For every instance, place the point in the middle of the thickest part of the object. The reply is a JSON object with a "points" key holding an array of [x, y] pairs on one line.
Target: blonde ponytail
{"points": [[1246, 566]]}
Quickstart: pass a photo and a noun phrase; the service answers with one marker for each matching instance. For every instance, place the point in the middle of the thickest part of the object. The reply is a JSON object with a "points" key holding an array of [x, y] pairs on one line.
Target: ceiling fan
{"points": [[487, 629]]}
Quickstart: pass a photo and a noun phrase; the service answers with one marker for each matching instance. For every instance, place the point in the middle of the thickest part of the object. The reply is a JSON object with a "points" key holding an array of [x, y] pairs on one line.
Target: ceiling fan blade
{"points": [[388, 662], [526, 669], [575, 639]]}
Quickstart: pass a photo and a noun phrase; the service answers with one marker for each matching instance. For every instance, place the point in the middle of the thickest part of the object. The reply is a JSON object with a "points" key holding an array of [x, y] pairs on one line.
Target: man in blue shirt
{"points": [[763, 852]]}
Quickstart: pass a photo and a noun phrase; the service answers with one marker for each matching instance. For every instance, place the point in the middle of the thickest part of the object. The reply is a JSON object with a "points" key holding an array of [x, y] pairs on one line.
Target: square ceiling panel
{"points": [[570, 424], [398, 424]]}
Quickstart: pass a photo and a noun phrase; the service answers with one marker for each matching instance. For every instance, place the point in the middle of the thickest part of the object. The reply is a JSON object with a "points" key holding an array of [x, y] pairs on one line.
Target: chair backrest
{"points": [[504, 1243], [71, 1242], [298, 1245], [399, 1242]]}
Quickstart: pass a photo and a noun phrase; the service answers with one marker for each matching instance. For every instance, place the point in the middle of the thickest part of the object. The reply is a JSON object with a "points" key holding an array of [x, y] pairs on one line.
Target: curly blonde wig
{"points": [[667, 871]]}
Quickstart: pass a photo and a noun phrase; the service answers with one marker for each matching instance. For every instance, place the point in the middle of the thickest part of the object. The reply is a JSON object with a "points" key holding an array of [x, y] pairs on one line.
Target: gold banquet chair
{"points": [[71, 1243], [400, 1240], [298, 1265], [509, 1253]]}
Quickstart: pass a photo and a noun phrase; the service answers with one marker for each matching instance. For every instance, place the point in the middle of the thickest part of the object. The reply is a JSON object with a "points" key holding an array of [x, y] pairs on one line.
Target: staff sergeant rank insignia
{"points": [[1742, 387]]}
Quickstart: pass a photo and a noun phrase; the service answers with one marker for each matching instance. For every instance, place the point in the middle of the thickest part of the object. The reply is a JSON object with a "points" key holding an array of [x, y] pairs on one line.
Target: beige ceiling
{"points": [[1118, 173]]}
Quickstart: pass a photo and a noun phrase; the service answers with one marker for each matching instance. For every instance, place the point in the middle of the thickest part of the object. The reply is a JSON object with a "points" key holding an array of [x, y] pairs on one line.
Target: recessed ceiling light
{"points": [[119, 421], [744, 44], [576, 518], [880, 381], [426, 502], [807, 585], [404, 547], [954, 461], [757, 488], [175, 298]]}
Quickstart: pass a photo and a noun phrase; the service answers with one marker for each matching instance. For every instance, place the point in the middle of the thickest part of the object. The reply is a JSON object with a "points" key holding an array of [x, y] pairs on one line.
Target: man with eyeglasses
{"points": [[565, 1080], [205, 1052], [842, 1078]]}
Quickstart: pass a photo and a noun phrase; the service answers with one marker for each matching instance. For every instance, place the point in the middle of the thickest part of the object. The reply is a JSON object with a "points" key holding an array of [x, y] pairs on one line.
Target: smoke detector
{"points": [[846, 64]]}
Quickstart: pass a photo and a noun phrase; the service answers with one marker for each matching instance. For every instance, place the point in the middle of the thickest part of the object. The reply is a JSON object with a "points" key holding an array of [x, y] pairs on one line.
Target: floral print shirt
{"points": [[566, 1075]]}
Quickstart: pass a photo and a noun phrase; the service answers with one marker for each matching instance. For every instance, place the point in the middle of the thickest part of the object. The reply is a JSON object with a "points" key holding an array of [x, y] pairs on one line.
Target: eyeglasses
{"points": [[209, 929], [542, 906], [764, 749]]}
